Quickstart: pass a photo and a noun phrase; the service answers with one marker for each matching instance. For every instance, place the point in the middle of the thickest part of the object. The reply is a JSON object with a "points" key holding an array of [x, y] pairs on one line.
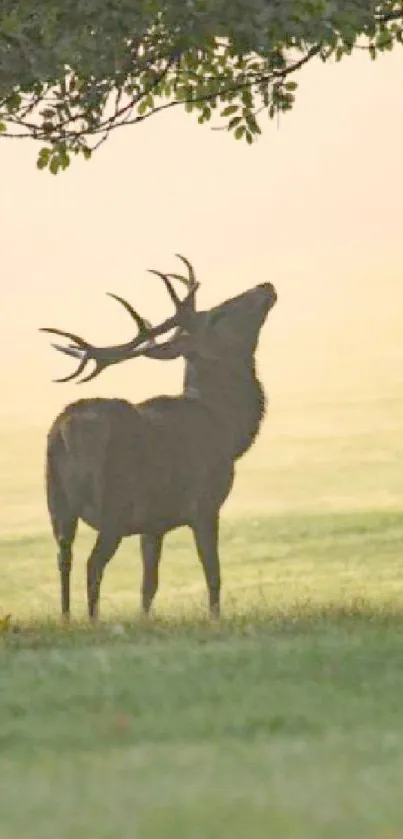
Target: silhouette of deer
{"points": [[149, 468]]}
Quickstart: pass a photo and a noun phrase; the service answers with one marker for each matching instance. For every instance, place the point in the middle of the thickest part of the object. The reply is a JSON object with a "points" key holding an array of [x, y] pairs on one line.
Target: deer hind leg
{"points": [[65, 533], [64, 526], [64, 523], [151, 549], [205, 532], [104, 549]]}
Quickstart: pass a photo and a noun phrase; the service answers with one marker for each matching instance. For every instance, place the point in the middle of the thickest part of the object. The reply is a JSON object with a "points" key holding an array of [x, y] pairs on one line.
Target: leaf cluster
{"points": [[71, 73]]}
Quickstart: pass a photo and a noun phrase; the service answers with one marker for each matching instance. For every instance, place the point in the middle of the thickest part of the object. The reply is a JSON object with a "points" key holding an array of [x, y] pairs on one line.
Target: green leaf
{"points": [[384, 39], [3, 127], [43, 158], [54, 164], [239, 132], [230, 109], [247, 98], [251, 122], [13, 102], [64, 157], [234, 122], [142, 107]]}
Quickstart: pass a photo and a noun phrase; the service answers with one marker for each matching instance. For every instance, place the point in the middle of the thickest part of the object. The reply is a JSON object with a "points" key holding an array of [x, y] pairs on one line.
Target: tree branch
{"points": [[69, 80], [120, 117]]}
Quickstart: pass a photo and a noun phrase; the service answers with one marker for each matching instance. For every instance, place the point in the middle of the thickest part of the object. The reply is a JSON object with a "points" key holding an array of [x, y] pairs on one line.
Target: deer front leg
{"points": [[104, 549], [205, 532], [151, 549]]}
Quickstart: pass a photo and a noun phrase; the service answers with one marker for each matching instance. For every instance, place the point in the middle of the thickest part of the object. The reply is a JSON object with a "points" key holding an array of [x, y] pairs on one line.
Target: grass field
{"points": [[285, 720]]}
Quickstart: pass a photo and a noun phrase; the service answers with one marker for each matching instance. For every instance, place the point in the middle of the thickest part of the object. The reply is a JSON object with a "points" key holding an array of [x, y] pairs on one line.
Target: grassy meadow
{"points": [[285, 719]]}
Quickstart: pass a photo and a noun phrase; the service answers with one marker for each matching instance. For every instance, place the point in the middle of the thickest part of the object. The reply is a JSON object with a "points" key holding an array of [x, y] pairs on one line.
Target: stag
{"points": [[169, 461]]}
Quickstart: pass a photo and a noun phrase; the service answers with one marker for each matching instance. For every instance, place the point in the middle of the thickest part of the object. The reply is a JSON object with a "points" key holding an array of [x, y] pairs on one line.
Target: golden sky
{"points": [[316, 206]]}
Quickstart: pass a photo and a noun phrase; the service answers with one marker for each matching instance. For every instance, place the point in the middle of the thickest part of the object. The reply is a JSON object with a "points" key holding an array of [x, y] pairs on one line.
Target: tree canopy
{"points": [[72, 72]]}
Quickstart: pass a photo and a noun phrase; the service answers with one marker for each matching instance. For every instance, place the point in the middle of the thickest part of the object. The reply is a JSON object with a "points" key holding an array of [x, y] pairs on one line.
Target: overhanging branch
{"points": [[71, 74]]}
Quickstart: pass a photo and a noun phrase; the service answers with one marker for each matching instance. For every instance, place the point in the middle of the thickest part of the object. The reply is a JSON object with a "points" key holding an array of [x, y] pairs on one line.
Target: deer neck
{"points": [[234, 393]]}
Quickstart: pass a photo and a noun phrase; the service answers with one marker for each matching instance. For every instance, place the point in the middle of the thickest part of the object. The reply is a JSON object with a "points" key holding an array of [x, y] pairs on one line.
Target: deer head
{"points": [[230, 329]]}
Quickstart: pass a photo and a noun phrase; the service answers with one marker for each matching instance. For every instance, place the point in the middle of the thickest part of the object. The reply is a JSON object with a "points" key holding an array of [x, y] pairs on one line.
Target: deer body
{"points": [[146, 469], [138, 467]]}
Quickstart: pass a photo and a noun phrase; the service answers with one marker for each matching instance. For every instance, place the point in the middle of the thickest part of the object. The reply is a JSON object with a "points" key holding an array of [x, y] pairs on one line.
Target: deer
{"points": [[148, 468]]}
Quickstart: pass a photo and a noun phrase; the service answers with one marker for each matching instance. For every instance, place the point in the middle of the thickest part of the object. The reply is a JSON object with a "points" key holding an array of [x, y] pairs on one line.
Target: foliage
{"points": [[72, 72]]}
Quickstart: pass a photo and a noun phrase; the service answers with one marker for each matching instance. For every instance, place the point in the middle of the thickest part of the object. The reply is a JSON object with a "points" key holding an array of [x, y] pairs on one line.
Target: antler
{"points": [[190, 281], [143, 343]]}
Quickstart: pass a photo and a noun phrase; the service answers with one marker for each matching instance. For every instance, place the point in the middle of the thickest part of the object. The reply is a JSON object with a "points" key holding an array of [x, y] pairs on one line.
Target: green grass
{"points": [[284, 720]]}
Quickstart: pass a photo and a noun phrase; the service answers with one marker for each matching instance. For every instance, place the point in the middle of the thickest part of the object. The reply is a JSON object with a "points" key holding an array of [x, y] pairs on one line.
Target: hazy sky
{"points": [[316, 206]]}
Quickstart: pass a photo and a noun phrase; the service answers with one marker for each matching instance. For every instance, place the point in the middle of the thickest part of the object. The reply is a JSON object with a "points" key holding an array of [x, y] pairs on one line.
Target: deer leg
{"points": [[65, 538], [104, 549], [151, 548], [205, 533]]}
